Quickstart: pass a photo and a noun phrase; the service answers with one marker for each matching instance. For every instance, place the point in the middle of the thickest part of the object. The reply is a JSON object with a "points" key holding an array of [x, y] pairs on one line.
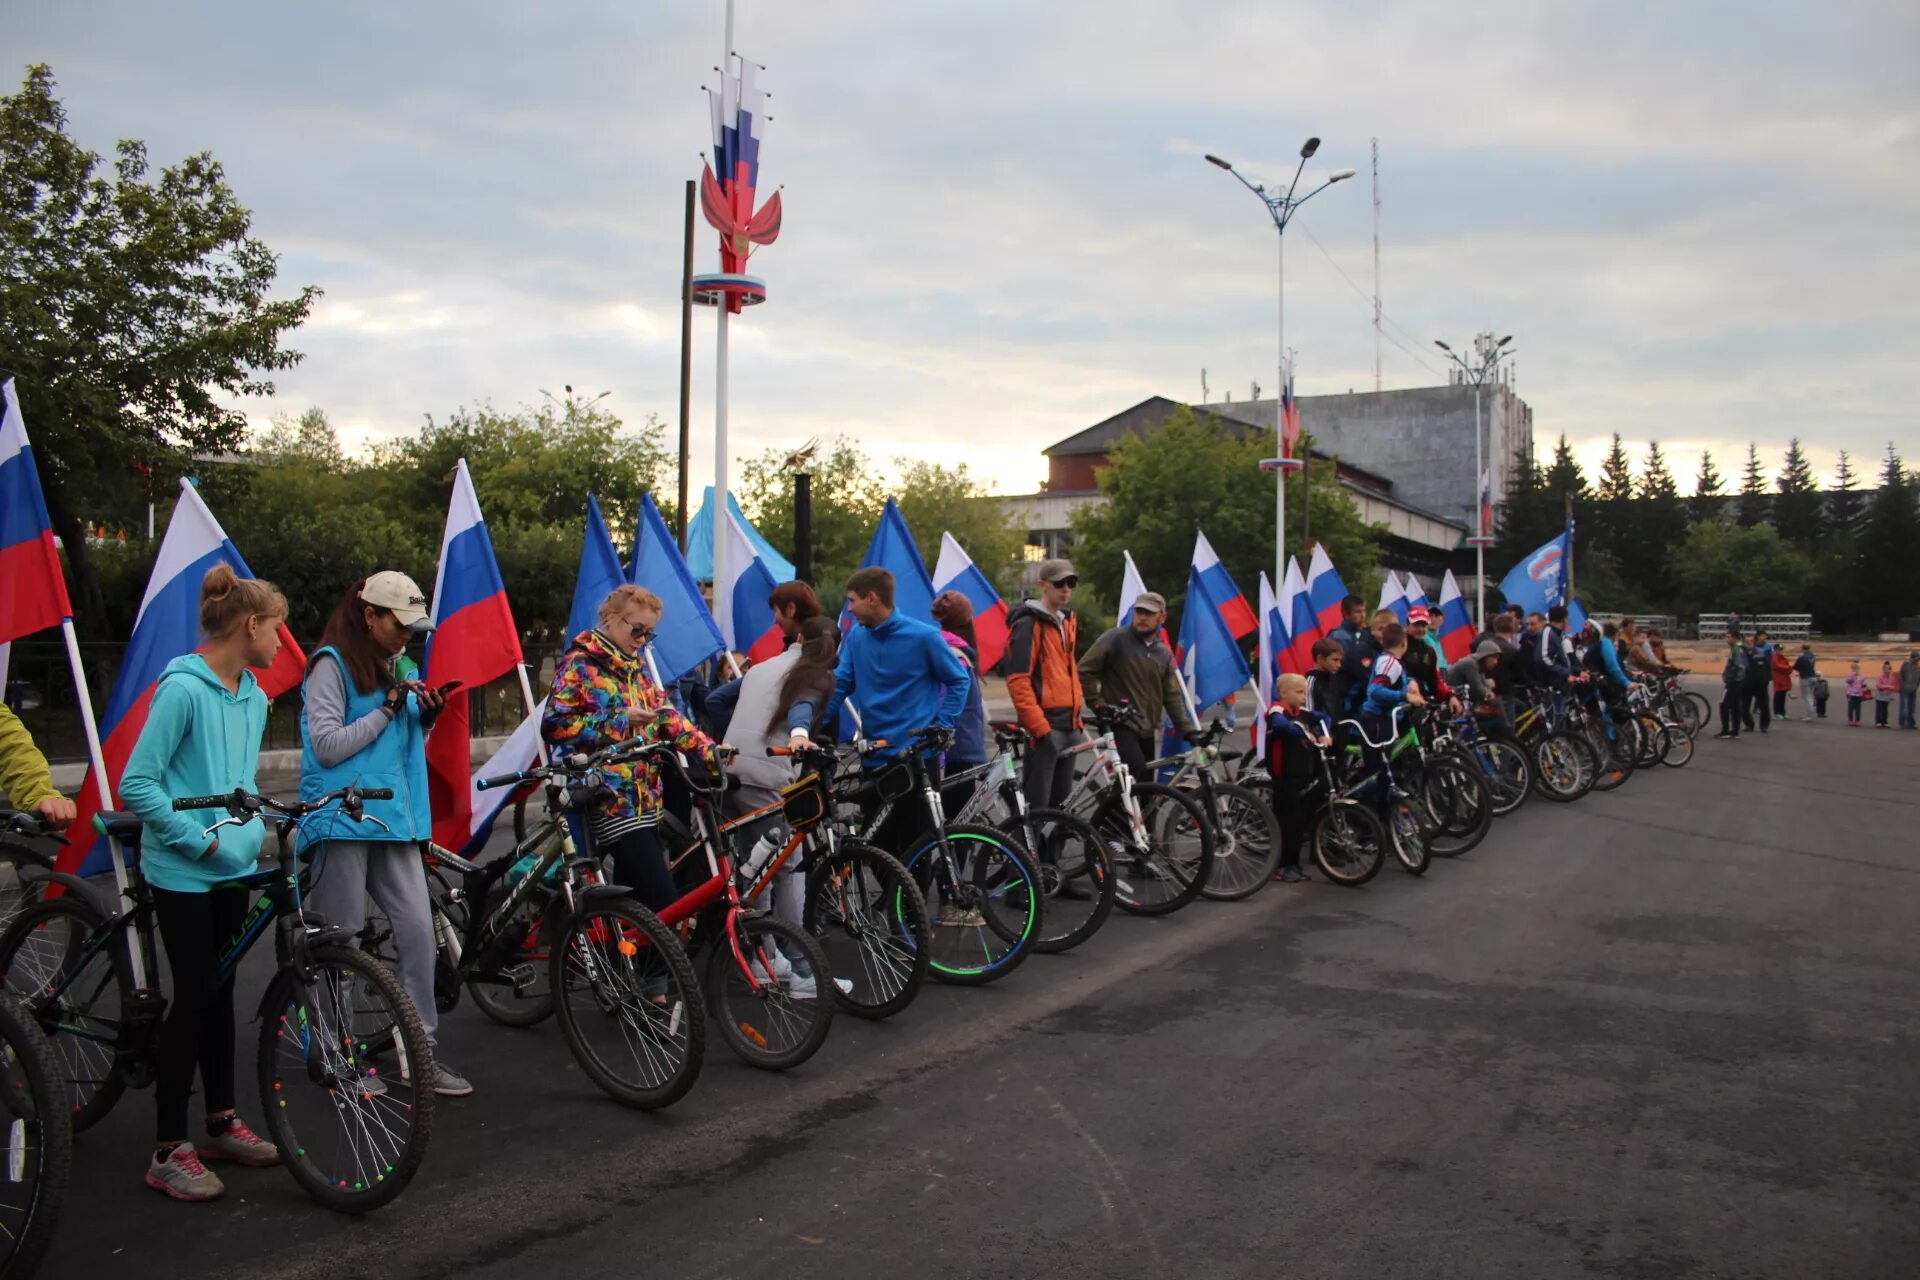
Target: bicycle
{"points": [[1565, 766], [1455, 800], [72, 964], [1076, 867], [1394, 807], [1246, 835], [1507, 765], [1345, 836], [39, 1141], [1161, 841]]}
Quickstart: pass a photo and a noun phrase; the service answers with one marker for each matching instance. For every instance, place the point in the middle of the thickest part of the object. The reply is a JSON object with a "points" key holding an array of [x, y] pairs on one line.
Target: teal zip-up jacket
{"points": [[199, 740]]}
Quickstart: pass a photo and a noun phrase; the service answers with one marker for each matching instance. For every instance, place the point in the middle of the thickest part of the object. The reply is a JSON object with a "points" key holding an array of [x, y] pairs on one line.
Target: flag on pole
{"points": [[956, 571], [1302, 627], [688, 634], [1325, 592], [893, 549], [1415, 593], [1210, 653], [167, 627], [599, 573], [699, 556], [1486, 504], [474, 641], [746, 619], [1235, 612], [1289, 416], [1539, 581], [33, 590], [1456, 624], [1393, 595], [1132, 586], [1274, 642], [519, 752]]}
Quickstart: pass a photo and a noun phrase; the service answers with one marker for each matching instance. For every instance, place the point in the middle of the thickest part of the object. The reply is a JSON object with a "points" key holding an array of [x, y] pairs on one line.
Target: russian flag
{"points": [[1456, 624], [1235, 612], [687, 635], [474, 641], [1325, 591], [1211, 656], [599, 573], [1416, 594], [746, 619], [1302, 627], [893, 549], [956, 571], [33, 591], [1274, 644], [167, 627], [1394, 596]]}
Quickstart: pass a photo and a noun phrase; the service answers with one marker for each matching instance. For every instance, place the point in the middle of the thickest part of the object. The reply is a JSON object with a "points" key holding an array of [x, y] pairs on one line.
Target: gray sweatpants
{"points": [[391, 873]]}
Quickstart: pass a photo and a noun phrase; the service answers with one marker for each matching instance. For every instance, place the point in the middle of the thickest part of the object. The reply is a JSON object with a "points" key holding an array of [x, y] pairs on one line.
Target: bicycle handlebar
{"points": [[241, 801]]}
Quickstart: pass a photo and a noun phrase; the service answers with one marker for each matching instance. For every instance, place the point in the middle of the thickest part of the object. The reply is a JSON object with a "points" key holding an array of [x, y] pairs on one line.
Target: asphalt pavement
{"points": [[1668, 1031]]}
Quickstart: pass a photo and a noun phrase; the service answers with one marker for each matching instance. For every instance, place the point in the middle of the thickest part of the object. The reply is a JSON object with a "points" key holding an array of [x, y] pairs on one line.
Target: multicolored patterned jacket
{"points": [[595, 692]]}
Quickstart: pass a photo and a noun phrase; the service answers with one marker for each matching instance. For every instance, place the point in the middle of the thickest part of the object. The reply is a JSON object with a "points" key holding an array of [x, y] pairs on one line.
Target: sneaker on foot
{"points": [[182, 1176], [449, 1083], [958, 917], [240, 1145]]}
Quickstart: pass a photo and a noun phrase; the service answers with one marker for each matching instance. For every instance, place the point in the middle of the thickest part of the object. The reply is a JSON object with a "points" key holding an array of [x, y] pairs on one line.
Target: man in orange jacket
{"points": [[1043, 679]]}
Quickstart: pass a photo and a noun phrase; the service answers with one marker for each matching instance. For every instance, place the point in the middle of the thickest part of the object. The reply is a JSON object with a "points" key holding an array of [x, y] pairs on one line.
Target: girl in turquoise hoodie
{"points": [[202, 737]]}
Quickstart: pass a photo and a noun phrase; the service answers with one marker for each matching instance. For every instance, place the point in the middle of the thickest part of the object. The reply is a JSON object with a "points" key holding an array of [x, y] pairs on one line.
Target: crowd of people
{"points": [[366, 711]]}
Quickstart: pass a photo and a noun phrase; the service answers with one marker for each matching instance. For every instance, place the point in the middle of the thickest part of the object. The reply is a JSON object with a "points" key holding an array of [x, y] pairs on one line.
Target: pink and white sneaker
{"points": [[182, 1176], [240, 1145]]}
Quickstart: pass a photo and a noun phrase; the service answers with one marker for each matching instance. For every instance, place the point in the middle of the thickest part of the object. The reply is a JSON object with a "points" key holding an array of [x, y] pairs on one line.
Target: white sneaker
{"points": [[782, 967], [807, 989]]}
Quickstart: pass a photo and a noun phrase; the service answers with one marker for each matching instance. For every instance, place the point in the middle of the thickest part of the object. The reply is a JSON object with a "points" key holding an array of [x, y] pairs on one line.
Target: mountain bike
{"points": [[28, 848], [1507, 765], [1246, 835], [1370, 774], [39, 1141], [1161, 841], [1565, 766], [351, 1136], [1451, 789]]}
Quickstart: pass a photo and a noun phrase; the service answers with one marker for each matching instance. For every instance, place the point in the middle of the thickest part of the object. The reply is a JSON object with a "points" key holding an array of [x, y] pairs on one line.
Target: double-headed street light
{"points": [[1487, 353], [1281, 208]]}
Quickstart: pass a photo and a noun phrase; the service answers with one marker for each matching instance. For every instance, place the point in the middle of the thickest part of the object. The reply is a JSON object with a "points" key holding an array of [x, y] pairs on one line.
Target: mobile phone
{"points": [[449, 687]]}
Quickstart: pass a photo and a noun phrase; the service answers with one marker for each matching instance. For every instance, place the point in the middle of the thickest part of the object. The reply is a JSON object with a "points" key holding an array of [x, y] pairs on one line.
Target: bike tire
{"points": [[774, 1029], [311, 1040], [1349, 844], [1002, 885], [1616, 763], [531, 1003], [1701, 711], [1678, 751], [40, 1140], [1408, 839], [1075, 867], [1246, 848], [1564, 766], [871, 919], [1509, 770], [1136, 868], [1649, 740], [608, 963], [1467, 814], [36, 953]]}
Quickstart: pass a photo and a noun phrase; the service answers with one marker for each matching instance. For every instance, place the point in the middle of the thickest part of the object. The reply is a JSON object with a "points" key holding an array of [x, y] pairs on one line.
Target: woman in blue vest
{"points": [[364, 724]]}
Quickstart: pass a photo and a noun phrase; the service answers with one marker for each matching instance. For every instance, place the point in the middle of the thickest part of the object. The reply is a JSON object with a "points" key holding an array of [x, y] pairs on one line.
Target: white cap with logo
{"points": [[396, 592]]}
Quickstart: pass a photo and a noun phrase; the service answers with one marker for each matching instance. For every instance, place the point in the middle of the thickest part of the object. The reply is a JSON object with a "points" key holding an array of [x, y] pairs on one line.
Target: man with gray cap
{"points": [[1132, 661], [1044, 682], [1470, 673]]}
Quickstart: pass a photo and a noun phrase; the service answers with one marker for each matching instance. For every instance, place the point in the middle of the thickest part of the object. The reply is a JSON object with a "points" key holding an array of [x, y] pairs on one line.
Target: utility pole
{"points": [[686, 373], [1376, 264]]}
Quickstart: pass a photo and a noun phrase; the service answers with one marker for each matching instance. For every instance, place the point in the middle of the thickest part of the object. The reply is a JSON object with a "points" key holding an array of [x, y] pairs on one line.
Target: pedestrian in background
{"points": [[1909, 687], [1782, 682], [1733, 683], [1759, 680], [1807, 667], [1858, 691], [1884, 691]]}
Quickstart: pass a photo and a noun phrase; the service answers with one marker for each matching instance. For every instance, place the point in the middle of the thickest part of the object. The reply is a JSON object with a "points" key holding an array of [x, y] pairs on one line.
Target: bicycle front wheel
{"points": [[1409, 839], [1348, 843], [1246, 844], [1509, 773], [1163, 865], [628, 1002], [1679, 747], [350, 1136], [74, 996], [781, 1017], [870, 917], [1076, 874], [39, 1140], [985, 898], [1564, 766]]}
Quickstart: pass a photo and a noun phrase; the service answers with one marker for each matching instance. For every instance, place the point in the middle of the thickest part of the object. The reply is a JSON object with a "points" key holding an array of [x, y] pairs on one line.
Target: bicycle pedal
{"points": [[522, 976]]}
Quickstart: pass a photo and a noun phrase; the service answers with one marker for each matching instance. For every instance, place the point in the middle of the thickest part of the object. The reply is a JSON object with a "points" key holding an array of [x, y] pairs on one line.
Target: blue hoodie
{"points": [[902, 676], [199, 739]]}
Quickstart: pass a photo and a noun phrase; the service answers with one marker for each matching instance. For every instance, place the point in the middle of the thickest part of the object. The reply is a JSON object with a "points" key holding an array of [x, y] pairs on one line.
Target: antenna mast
{"points": [[1376, 264]]}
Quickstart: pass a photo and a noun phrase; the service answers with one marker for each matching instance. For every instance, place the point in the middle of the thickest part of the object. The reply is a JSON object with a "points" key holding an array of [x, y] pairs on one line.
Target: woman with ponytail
{"points": [[202, 737]]}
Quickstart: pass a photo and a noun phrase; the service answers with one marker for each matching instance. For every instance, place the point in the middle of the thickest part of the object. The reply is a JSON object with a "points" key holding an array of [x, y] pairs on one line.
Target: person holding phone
{"points": [[364, 724]]}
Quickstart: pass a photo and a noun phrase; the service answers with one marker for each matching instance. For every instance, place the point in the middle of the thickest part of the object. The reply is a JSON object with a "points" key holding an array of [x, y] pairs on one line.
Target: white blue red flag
{"points": [[739, 111], [33, 590], [1393, 595], [1210, 652], [1486, 505], [1415, 593], [956, 571], [1274, 643], [1303, 628], [1539, 581], [746, 619], [688, 634], [167, 627], [599, 574], [1235, 612], [1455, 624], [1289, 416], [474, 641], [893, 549], [1325, 592]]}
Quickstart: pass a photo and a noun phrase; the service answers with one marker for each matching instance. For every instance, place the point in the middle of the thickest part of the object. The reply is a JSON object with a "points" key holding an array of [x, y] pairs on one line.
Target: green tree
{"points": [[1889, 582], [1659, 525], [1708, 489], [1796, 511], [1192, 474], [847, 500], [1845, 505], [1724, 566], [1611, 529], [936, 499], [131, 305], [1754, 502], [1564, 478]]}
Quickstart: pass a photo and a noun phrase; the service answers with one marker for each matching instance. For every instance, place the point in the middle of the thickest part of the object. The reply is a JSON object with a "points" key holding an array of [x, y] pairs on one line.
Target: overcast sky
{"points": [[1697, 219]]}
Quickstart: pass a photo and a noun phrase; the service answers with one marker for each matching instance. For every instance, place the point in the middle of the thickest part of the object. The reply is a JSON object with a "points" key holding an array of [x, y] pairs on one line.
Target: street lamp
{"points": [[1487, 353], [1281, 207]]}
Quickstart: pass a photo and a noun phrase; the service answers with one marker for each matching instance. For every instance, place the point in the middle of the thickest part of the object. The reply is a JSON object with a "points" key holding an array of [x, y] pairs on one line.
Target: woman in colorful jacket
{"points": [[604, 694], [364, 717]]}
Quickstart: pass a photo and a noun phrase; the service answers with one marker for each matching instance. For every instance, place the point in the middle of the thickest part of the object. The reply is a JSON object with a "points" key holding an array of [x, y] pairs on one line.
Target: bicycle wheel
{"points": [[1679, 746], [376, 939], [628, 1001], [1509, 772], [1246, 844], [1564, 766], [1076, 875], [772, 1028], [39, 1140], [1616, 763], [514, 995], [1409, 841], [1647, 741], [986, 903], [350, 1136], [1163, 866], [1463, 801], [1348, 843], [869, 916], [1699, 712], [75, 998]]}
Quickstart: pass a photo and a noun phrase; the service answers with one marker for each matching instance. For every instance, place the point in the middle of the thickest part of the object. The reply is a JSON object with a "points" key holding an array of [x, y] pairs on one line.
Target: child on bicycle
{"points": [[1294, 733], [202, 737]]}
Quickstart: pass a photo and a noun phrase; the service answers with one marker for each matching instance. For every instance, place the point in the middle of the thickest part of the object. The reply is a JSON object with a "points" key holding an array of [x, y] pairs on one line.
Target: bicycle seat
{"points": [[118, 823]]}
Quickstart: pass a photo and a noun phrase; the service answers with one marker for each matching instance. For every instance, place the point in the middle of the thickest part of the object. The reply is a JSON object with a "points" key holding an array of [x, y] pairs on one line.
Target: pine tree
{"points": [[1660, 524], [1526, 517], [1796, 512], [1753, 491], [1845, 504], [1565, 480], [1612, 527], [1889, 584], [1708, 489]]}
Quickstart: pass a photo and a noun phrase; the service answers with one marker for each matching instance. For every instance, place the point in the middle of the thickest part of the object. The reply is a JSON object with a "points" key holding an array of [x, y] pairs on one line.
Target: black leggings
{"points": [[1293, 808], [198, 1029], [640, 863]]}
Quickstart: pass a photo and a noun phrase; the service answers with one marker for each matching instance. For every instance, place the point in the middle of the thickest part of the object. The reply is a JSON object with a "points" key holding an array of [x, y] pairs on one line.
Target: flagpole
{"points": [[101, 782], [526, 693], [720, 509]]}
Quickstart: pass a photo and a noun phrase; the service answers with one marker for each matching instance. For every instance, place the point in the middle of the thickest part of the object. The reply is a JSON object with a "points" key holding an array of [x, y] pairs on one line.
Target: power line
{"points": [[1368, 298]]}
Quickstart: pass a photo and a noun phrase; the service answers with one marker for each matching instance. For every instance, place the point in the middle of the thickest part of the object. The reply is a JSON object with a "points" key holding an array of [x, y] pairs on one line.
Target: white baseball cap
{"points": [[395, 591]]}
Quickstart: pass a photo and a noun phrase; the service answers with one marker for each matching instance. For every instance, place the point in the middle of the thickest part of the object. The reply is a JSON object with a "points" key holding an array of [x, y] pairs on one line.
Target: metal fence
{"points": [[1780, 626], [40, 689]]}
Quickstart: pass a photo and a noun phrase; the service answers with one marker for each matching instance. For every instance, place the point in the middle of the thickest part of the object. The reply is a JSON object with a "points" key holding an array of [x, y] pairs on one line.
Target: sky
{"points": [[1696, 220]]}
